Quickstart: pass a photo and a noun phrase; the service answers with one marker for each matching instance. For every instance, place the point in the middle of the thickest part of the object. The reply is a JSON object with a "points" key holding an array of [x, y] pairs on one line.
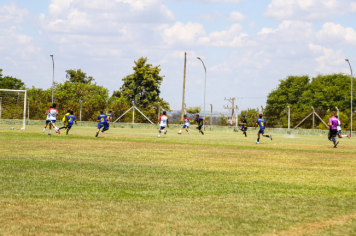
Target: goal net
{"points": [[12, 109]]}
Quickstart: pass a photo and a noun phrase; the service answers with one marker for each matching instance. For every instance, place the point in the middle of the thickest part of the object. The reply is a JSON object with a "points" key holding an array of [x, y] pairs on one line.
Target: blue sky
{"points": [[247, 46]]}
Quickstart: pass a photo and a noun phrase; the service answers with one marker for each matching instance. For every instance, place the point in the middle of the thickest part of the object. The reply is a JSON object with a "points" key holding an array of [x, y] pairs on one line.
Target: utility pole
{"points": [[313, 118], [185, 71], [232, 108], [211, 115], [237, 113]]}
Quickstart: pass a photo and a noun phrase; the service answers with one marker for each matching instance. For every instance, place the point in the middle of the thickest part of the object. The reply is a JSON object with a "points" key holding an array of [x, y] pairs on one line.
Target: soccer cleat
{"points": [[49, 134], [256, 142], [158, 136], [348, 135], [97, 133], [166, 132], [66, 133], [59, 132], [270, 137]]}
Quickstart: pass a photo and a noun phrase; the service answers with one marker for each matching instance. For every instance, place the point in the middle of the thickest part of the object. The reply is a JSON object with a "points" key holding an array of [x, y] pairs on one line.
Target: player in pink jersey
{"points": [[163, 123], [333, 123]]}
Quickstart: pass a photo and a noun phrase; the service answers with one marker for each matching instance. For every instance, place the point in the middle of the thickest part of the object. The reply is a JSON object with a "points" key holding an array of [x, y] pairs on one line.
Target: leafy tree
{"points": [[193, 110], [9, 82], [222, 120], [143, 86], [78, 76]]}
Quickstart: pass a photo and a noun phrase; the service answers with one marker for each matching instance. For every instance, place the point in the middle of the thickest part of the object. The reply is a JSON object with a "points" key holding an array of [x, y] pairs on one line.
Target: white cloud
{"points": [[330, 61], [308, 9], [336, 33], [12, 13], [179, 32], [237, 16]]}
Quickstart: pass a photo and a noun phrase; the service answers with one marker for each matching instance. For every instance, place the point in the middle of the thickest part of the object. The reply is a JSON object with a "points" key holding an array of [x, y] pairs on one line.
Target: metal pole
{"points": [[211, 115], [24, 112], [80, 110], [338, 115], [159, 111], [183, 100], [288, 118], [53, 78], [0, 107], [204, 88], [28, 109], [351, 94]]}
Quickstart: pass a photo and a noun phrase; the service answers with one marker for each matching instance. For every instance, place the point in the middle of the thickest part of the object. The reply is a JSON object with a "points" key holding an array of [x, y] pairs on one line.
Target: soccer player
{"points": [[65, 121], [262, 124], [53, 112], [102, 122], [199, 123], [48, 122], [185, 125], [333, 122], [163, 121], [109, 118], [339, 129], [243, 127], [70, 119]]}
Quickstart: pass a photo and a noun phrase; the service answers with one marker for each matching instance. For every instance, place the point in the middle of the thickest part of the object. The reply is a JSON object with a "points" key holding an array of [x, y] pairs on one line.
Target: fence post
{"points": [[313, 117], [211, 115], [133, 112], [288, 118], [80, 110], [159, 111], [237, 111], [28, 109], [337, 112], [0, 107], [107, 106]]}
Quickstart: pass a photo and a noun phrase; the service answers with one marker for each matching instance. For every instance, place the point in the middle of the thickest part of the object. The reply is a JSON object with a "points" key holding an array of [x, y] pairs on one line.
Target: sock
{"points": [[344, 136], [180, 131], [258, 140], [188, 132], [267, 136], [56, 128], [159, 134], [50, 131], [44, 130]]}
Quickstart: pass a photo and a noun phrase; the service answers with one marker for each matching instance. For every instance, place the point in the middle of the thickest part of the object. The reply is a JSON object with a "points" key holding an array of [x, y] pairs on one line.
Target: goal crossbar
{"points": [[24, 107]]}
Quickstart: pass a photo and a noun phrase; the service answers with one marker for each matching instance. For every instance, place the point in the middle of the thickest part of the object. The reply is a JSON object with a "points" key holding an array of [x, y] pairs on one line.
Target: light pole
{"points": [[204, 87], [53, 78], [351, 94]]}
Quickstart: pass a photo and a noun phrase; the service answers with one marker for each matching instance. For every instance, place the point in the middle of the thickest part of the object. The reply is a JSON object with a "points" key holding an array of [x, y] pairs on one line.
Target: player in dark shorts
{"points": [[333, 123], [243, 127]]}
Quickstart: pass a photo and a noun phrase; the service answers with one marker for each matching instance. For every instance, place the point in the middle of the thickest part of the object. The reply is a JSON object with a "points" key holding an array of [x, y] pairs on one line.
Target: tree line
{"points": [[142, 87]]}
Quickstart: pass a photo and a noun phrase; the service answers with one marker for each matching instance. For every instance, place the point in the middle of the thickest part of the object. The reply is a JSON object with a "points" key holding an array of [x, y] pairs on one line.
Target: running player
{"points": [[109, 118], [262, 124], [339, 129], [163, 123], [199, 123], [53, 112], [70, 119], [243, 127], [333, 122], [102, 122], [48, 121], [65, 121], [185, 125]]}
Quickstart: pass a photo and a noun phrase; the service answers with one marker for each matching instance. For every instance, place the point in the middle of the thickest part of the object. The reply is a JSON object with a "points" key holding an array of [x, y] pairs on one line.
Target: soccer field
{"points": [[129, 182]]}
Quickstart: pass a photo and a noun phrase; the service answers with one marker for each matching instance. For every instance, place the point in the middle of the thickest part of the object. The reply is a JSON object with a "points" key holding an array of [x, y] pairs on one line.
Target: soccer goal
{"points": [[13, 109]]}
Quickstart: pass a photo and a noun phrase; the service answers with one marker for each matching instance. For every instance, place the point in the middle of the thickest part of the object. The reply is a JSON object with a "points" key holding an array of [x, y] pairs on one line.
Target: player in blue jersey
{"points": [[109, 118], [262, 124], [199, 123], [243, 124], [70, 120], [102, 122]]}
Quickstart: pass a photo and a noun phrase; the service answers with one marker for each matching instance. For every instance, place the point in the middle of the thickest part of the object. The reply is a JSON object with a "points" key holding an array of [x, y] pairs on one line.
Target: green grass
{"points": [[129, 182]]}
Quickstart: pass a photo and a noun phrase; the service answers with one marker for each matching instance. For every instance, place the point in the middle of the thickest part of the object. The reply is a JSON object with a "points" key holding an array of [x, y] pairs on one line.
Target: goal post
{"points": [[13, 105]]}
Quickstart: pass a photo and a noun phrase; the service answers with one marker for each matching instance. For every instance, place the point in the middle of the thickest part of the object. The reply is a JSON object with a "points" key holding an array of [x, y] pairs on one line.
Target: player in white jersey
{"points": [[53, 117], [48, 121], [339, 129], [163, 123], [185, 125]]}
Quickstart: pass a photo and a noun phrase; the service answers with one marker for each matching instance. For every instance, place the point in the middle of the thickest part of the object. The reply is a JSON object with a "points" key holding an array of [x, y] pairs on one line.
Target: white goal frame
{"points": [[24, 107]]}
